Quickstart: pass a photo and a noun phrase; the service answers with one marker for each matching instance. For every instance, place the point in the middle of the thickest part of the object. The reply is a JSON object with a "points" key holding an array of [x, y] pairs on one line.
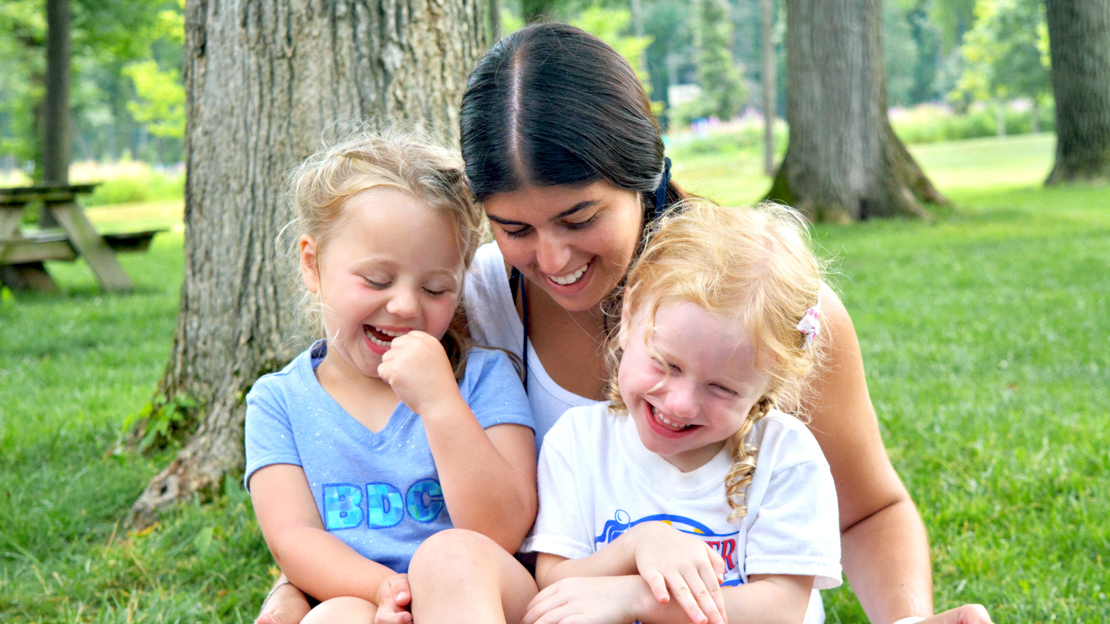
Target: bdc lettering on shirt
{"points": [[346, 506]]}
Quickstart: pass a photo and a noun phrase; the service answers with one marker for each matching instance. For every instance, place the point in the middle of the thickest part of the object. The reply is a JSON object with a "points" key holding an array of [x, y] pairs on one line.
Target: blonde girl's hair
{"points": [[751, 265], [406, 161]]}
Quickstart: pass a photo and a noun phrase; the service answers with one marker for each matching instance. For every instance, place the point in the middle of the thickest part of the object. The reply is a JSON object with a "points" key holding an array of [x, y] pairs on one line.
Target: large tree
{"points": [[843, 161], [263, 81], [1079, 40]]}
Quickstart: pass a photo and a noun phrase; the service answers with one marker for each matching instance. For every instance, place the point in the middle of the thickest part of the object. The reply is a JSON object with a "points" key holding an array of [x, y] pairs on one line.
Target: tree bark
{"points": [[769, 81], [843, 163], [264, 81], [1079, 43], [57, 143]]}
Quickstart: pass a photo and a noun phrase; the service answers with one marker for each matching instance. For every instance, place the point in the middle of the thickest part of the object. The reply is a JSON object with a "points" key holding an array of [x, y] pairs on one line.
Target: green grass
{"points": [[72, 368], [986, 340]]}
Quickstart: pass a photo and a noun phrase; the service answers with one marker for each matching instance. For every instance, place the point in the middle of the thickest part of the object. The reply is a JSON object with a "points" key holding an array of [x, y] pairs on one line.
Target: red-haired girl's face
{"points": [[689, 383]]}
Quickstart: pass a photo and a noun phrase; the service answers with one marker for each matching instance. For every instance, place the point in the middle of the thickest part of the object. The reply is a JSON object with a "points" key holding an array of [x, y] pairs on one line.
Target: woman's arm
{"points": [[885, 550], [315, 561]]}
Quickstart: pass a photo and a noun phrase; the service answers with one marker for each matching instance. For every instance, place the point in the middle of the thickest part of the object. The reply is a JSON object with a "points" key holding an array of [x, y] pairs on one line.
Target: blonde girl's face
{"points": [[574, 242], [393, 266], [690, 387]]}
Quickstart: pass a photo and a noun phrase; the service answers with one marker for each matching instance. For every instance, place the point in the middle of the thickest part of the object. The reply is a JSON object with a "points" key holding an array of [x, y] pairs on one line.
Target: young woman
{"points": [[562, 149]]}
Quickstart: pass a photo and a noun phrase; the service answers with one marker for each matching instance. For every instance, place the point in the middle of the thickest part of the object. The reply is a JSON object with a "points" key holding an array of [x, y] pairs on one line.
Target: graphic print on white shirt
{"points": [[724, 544]]}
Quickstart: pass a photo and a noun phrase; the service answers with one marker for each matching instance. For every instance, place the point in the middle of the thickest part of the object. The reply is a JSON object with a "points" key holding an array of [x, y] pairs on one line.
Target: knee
{"points": [[343, 610], [455, 553]]}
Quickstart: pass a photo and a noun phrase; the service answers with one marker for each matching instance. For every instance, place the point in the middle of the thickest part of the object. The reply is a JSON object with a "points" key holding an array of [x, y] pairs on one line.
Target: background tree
{"points": [[293, 67], [843, 161], [106, 37], [769, 81], [1079, 38], [57, 142], [721, 81], [1004, 56], [613, 26]]}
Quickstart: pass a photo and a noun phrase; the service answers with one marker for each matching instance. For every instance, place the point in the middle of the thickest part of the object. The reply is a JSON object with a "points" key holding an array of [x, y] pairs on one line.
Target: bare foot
{"points": [[285, 605]]}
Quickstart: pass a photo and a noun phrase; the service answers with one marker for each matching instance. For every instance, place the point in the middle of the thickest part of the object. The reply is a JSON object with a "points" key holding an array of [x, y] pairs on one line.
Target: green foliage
{"points": [[745, 138], [1003, 54], [719, 77], [953, 17], [612, 26], [929, 123], [106, 36], [161, 103], [161, 93], [911, 54], [22, 67], [138, 184], [161, 421]]}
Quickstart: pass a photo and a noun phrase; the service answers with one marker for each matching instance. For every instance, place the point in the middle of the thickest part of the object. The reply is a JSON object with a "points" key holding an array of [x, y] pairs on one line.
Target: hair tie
{"points": [[661, 190], [810, 325]]}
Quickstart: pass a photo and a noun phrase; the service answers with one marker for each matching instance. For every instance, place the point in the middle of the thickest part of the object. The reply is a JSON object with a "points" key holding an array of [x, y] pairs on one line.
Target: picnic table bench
{"points": [[22, 254]]}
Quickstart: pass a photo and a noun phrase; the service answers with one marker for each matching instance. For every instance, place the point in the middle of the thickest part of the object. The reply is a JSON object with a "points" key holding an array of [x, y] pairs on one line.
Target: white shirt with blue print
{"points": [[596, 480]]}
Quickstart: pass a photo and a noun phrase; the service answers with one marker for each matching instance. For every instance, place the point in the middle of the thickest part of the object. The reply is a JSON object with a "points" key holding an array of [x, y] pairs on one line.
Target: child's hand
{"points": [[692, 571], [588, 600], [417, 368], [394, 599]]}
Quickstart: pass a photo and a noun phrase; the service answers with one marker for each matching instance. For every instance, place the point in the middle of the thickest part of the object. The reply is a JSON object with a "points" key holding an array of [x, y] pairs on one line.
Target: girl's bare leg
{"points": [[285, 605], [346, 610], [463, 577]]}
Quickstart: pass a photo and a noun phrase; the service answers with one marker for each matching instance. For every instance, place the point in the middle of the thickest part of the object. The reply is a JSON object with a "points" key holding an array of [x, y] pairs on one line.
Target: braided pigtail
{"points": [[739, 477]]}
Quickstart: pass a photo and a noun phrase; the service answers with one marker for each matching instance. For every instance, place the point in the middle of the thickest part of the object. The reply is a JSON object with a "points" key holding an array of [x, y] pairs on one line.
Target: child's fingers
{"points": [[686, 600], [658, 585], [545, 610], [712, 585], [718, 564], [386, 616], [400, 589]]}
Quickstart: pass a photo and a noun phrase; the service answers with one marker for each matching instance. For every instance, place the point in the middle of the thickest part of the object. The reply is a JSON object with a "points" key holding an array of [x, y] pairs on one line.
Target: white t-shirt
{"points": [[596, 480], [494, 322]]}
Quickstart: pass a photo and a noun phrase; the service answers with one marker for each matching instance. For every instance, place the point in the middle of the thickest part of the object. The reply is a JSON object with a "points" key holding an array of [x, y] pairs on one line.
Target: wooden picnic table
{"points": [[22, 254]]}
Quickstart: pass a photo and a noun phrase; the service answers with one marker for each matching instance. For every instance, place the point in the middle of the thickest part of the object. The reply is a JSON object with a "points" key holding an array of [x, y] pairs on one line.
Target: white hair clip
{"points": [[810, 325]]}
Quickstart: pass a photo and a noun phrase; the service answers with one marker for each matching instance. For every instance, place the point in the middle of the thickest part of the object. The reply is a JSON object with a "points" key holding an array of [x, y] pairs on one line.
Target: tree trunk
{"points": [[494, 20], [844, 162], [264, 81], [769, 81], [1079, 42], [57, 144]]}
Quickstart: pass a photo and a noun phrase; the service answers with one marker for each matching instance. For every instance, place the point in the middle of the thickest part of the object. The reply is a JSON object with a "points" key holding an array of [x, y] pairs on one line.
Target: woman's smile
{"points": [[574, 242]]}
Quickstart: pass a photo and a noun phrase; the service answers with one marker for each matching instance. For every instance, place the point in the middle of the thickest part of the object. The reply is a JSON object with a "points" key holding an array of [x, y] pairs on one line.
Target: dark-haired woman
{"points": [[562, 149]]}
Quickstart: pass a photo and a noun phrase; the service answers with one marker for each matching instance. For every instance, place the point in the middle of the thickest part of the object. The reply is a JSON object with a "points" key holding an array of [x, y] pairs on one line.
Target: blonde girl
{"points": [[390, 428], [690, 496]]}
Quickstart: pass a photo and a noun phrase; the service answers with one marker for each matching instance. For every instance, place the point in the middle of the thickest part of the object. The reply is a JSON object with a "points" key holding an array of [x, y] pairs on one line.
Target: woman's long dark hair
{"points": [[551, 104]]}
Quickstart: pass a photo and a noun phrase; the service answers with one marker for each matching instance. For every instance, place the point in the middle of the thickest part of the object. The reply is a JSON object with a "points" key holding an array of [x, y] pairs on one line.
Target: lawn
{"points": [[984, 331]]}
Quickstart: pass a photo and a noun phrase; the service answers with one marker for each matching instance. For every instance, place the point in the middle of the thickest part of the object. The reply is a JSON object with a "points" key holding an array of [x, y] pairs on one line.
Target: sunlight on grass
{"points": [[167, 214], [982, 163]]}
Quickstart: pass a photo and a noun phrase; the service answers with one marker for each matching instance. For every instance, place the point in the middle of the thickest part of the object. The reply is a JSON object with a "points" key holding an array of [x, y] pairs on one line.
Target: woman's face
{"points": [[574, 242]]}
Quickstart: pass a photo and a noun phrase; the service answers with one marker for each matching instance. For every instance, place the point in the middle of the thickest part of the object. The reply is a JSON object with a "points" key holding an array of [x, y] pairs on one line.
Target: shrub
{"points": [[136, 187], [931, 123], [744, 135]]}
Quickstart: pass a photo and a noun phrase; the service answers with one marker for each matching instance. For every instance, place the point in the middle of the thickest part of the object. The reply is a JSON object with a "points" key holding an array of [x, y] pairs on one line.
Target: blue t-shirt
{"points": [[378, 492]]}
